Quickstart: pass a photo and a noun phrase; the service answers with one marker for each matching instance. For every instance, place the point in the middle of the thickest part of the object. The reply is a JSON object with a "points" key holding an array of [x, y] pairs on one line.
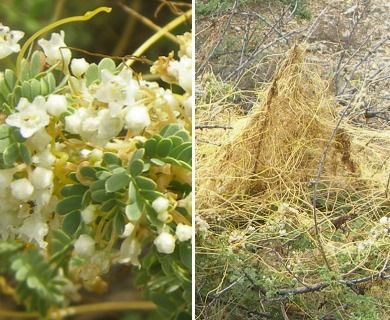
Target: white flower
{"points": [[183, 232], [185, 45], [185, 74], [73, 122], [129, 251], [84, 246], [384, 220], [89, 214], [165, 243], [22, 189], [39, 140], [54, 50], [30, 116], [108, 127], [34, 228], [201, 225], [161, 204], [182, 72], [42, 178], [137, 118], [186, 203], [112, 86], [56, 104], [129, 228], [79, 66], [9, 41], [96, 127], [44, 158]]}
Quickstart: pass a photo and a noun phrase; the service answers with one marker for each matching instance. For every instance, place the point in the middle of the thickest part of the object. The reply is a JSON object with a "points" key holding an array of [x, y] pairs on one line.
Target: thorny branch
{"points": [[215, 126], [285, 293]]}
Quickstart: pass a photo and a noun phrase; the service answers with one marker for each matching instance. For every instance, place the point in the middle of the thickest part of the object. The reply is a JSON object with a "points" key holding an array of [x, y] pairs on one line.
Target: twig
{"points": [[287, 268], [216, 126], [209, 142], [217, 295], [317, 180], [221, 37], [283, 311], [285, 293]]}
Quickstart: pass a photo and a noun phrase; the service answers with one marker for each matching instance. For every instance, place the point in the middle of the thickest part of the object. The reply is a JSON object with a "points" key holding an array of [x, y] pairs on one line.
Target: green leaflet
{"points": [[134, 211], [71, 222], [107, 63], [135, 167], [69, 204], [117, 182]]}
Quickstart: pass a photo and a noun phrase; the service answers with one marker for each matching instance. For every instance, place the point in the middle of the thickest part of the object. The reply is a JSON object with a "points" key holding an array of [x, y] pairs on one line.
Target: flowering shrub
{"points": [[95, 170]]}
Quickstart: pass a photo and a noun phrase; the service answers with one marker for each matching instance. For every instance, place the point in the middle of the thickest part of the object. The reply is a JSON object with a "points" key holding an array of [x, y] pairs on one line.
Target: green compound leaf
{"points": [[164, 147], [117, 182], [37, 283], [69, 204], [134, 211], [145, 183], [71, 222], [136, 167]]}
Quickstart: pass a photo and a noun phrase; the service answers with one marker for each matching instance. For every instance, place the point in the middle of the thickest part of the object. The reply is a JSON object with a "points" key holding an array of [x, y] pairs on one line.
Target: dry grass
{"points": [[255, 196]]}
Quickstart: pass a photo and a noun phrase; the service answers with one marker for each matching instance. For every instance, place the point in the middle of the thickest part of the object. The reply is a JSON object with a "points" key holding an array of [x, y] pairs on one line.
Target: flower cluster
{"points": [[98, 108]]}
